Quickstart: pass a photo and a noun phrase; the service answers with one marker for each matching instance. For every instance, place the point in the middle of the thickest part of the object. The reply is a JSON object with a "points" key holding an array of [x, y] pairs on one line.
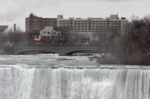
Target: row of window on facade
{"points": [[88, 23]]}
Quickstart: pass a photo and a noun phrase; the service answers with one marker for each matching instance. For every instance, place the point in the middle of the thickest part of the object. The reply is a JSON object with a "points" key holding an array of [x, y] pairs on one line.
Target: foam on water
{"points": [[85, 81], [63, 83]]}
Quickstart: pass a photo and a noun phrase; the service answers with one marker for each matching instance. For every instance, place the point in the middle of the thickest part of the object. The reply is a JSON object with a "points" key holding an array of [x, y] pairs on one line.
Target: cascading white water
{"points": [[63, 83]]}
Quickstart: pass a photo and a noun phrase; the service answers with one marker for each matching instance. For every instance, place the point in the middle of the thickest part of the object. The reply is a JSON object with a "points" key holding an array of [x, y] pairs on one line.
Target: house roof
{"points": [[3, 28]]}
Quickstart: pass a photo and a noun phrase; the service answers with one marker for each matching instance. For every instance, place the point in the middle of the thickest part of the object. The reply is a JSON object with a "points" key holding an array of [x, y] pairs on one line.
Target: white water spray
{"points": [[61, 83]]}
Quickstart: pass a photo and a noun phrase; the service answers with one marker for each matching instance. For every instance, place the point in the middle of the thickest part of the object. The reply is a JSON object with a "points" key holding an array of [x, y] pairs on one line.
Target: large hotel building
{"points": [[35, 23], [95, 25]]}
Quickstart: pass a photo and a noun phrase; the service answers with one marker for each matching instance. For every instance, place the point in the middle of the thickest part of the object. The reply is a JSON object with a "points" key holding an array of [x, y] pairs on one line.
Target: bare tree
{"points": [[137, 42]]}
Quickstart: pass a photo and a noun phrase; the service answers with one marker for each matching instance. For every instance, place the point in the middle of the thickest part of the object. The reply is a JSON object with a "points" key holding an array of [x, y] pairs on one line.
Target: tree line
{"points": [[133, 47]]}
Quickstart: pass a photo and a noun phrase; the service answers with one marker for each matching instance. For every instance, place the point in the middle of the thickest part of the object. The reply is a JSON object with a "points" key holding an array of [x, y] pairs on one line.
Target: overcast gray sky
{"points": [[15, 11]]}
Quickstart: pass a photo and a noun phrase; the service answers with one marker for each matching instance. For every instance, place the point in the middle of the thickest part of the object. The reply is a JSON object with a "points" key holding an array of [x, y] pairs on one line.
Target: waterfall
{"points": [[63, 83]]}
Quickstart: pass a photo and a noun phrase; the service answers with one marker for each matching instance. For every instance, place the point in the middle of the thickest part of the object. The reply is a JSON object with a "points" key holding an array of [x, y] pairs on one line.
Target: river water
{"points": [[75, 77]]}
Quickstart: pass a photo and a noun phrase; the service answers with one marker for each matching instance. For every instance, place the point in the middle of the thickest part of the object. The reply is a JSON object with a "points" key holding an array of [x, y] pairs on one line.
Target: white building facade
{"points": [[48, 34]]}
